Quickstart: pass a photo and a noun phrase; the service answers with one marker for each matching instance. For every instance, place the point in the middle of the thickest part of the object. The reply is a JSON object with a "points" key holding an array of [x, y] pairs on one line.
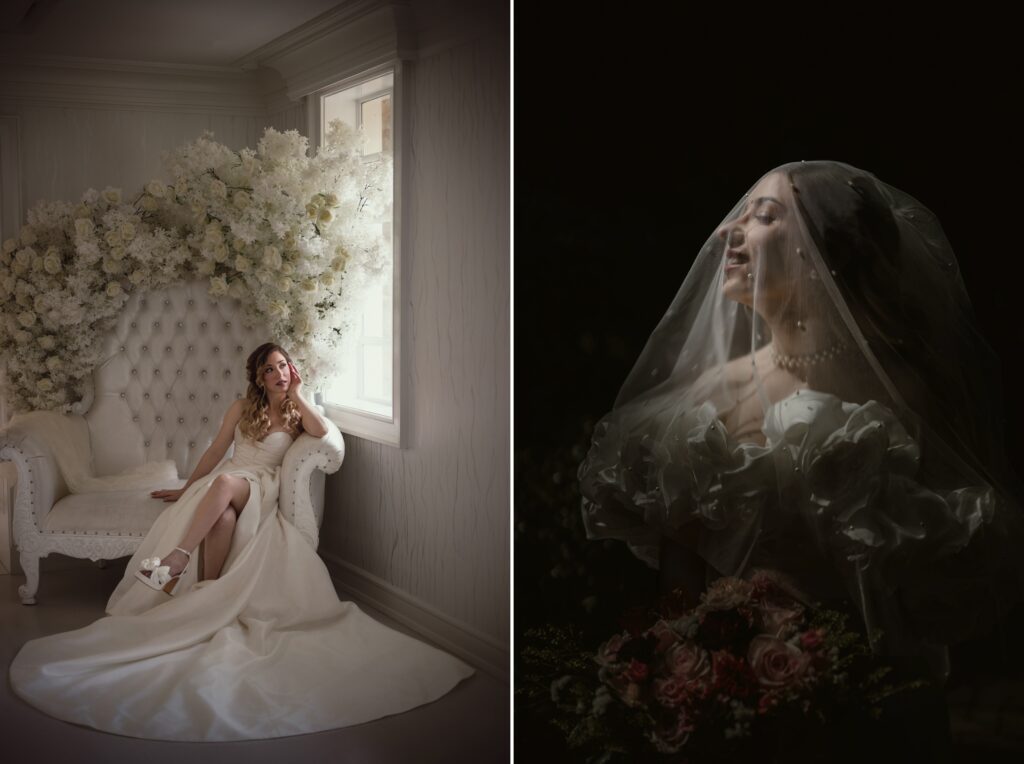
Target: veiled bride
{"points": [[226, 625], [818, 401]]}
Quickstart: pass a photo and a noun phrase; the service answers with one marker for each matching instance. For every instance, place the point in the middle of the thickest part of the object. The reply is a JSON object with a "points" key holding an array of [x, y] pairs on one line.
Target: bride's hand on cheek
{"points": [[295, 386]]}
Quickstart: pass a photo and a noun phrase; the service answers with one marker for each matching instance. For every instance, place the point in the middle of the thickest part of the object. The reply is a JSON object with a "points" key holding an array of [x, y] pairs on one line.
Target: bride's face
{"points": [[275, 373], [757, 260]]}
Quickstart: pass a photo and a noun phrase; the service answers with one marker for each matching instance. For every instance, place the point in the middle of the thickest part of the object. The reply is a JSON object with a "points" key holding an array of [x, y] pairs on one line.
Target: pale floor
{"points": [[469, 724]]}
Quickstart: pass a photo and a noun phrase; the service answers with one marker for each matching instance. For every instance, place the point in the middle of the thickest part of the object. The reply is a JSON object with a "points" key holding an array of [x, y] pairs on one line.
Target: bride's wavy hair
{"points": [[255, 421]]}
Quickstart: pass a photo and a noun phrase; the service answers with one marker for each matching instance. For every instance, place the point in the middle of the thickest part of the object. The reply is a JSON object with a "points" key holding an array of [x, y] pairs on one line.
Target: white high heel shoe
{"points": [[160, 578]]}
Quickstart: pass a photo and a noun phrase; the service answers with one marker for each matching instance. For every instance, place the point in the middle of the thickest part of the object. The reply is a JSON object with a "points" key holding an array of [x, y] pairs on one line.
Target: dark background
{"points": [[635, 134]]}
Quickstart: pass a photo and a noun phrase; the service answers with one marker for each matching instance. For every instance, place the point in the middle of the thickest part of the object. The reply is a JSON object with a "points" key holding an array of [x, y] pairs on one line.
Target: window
{"points": [[364, 400]]}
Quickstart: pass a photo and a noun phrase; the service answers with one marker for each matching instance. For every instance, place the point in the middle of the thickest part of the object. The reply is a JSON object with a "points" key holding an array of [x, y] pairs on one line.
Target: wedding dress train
{"points": [[266, 650]]}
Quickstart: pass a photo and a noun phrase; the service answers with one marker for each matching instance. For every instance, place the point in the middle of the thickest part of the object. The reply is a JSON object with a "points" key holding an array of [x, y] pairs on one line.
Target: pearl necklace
{"points": [[810, 359]]}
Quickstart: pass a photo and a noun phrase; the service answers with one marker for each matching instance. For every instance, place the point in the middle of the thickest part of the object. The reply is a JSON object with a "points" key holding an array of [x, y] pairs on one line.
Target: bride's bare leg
{"points": [[225, 491], [218, 543]]}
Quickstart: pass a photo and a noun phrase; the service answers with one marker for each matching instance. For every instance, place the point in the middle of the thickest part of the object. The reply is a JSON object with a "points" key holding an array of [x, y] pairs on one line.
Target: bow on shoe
{"points": [[161, 573]]}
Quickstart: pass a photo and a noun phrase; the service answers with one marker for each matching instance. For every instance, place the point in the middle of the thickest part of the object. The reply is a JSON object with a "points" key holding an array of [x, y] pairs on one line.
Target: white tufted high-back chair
{"points": [[170, 368]]}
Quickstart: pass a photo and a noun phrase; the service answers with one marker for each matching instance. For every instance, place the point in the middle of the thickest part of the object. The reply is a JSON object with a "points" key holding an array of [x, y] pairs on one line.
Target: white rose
{"points": [[37, 263], [242, 264], [137, 277], [155, 188], [287, 269], [82, 211], [112, 195], [28, 235], [214, 233], [272, 257], [218, 286], [23, 337], [242, 200], [331, 199], [83, 227], [10, 245], [53, 363], [181, 187], [278, 309], [218, 189], [220, 253], [112, 266], [25, 256], [327, 278], [311, 211], [27, 317], [45, 385], [113, 238], [206, 268], [47, 342], [324, 216], [309, 285], [264, 275], [127, 231], [338, 264], [238, 244], [52, 263], [303, 325], [238, 289], [117, 253], [113, 289], [284, 283], [148, 203]]}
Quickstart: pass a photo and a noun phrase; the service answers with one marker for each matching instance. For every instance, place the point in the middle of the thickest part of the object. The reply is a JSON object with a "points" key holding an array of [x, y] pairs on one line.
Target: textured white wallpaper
{"points": [[433, 519], [65, 150]]}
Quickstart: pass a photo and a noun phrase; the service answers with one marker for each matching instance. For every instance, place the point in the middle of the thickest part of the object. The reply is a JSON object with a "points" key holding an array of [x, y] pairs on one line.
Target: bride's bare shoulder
{"points": [[732, 373]]}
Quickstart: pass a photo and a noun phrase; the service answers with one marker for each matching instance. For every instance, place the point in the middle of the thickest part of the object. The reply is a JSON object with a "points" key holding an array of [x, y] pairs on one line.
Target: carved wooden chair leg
{"points": [[27, 591]]}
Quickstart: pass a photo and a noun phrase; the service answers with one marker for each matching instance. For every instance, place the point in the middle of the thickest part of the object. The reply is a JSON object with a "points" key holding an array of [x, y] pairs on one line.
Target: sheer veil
{"points": [[818, 400]]}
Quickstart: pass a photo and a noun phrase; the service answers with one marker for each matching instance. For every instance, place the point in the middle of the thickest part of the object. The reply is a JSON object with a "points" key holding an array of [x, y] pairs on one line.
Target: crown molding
{"points": [[68, 81], [346, 40]]}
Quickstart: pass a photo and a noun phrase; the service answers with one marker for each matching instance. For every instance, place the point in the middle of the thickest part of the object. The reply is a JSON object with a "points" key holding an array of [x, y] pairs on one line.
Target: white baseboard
{"points": [[445, 632]]}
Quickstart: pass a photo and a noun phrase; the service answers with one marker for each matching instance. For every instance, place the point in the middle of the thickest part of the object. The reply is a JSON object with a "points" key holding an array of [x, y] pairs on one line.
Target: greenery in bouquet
{"points": [[748, 670]]}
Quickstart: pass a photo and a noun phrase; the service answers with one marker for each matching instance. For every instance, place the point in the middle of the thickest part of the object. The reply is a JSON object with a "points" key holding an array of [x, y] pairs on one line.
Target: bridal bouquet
{"points": [[749, 665], [288, 234]]}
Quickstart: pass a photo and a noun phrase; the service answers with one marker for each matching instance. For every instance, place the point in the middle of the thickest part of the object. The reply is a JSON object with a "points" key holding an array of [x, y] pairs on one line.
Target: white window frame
{"points": [[363, 424]]}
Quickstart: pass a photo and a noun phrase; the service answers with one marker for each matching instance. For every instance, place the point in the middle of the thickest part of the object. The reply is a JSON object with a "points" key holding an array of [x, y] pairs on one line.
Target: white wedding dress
{"points": [[266, 650]]}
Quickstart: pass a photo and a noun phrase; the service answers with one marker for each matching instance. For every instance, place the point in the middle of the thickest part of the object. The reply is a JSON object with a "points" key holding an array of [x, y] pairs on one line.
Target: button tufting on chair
{"points": [[191, 396], [191, 302], [159, 418], [135, 418], [206, 419], [146, 396], [190, 348], [142, 301], [227, 324], [133, 324], [179, 372], [167, 302], [216, 349], [167, 349], [191, 444], [122, 395], [168, 396], [156, 371], [135, 371], [203, 372], [145, 348], [239, 348], [181, 324], [156, 324], [181, 420], [216, 396], [203, 324], [146, 444], [122, 348], [170, 443]]}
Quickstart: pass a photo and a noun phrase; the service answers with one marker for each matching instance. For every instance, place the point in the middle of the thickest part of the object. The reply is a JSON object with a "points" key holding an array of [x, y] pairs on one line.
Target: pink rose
{"points": [[636, 671], [780, 617], [687, 661], [813, 639], [671, 692], [727, 593], [672, 734], [665, 635], [776, 663]]}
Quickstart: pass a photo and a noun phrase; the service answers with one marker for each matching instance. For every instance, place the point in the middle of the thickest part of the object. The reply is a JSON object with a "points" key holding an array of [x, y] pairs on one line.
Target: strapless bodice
{"points": [[268, 452]]}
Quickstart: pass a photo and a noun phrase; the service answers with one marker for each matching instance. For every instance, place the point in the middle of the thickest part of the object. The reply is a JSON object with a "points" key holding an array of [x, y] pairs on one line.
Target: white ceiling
{"points": [[202, 32]]}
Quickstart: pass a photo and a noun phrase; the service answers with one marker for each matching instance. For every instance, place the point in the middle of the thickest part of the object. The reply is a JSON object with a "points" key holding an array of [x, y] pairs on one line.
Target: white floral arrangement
{"points": [[290, 236]]}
